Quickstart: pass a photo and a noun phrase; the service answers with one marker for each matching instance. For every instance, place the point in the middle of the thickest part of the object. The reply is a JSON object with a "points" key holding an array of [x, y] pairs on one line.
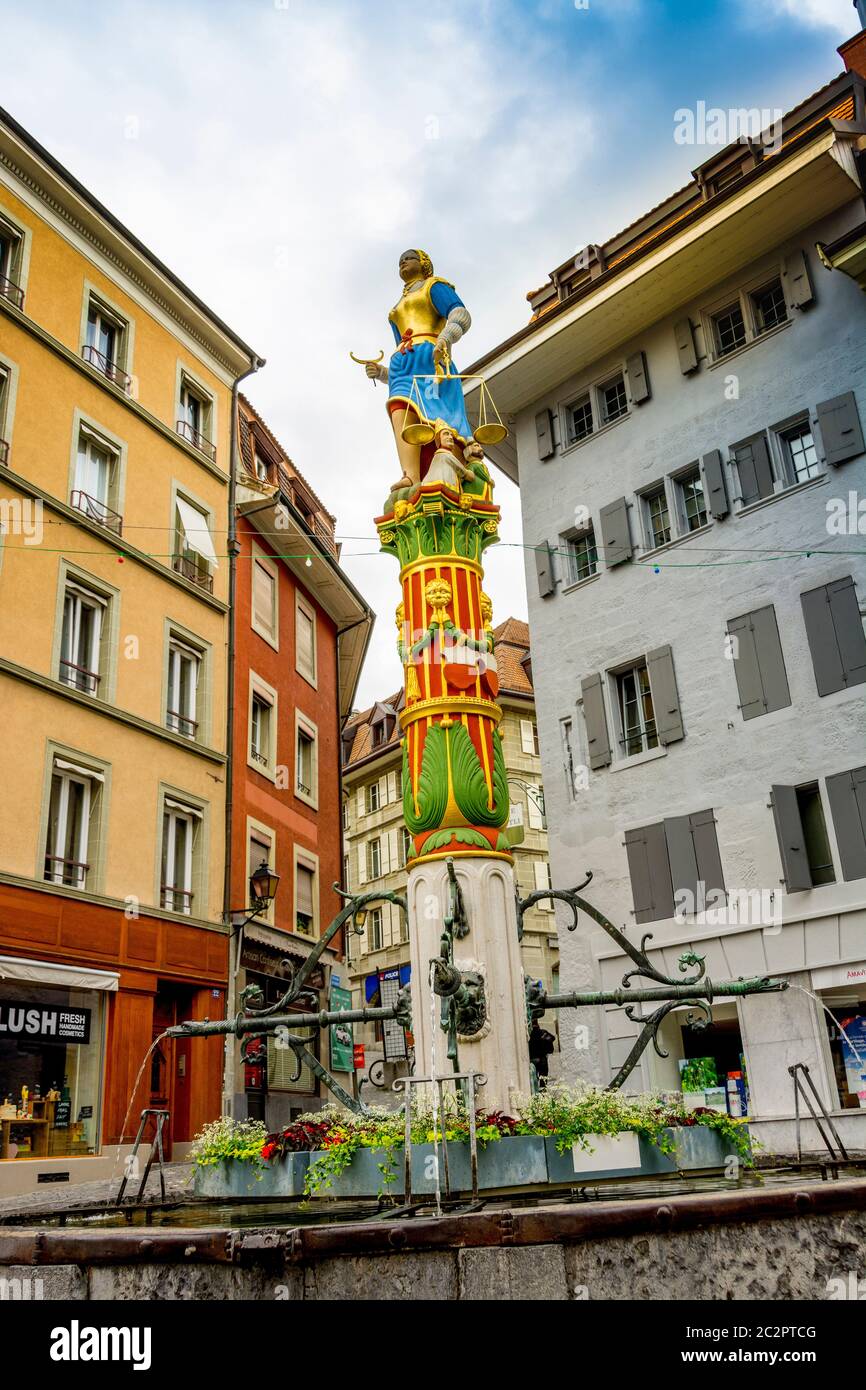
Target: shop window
{"points": [[50, 1070], [847, 1032]]}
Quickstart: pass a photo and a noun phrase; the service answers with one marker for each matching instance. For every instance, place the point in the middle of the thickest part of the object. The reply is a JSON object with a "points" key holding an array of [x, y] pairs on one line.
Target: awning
{"points": [[44, 972], [195, 528], [274, 939]]}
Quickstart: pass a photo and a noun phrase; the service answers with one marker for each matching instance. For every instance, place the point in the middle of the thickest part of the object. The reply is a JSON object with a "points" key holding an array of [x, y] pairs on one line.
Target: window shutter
{"points": [[754, 470], [544, 568], [306, 882], [685, 340], [681, 855], [542, 881], [841, 433], [392, 786], [615, 535], [759, 665], [544, 434], [847, 795], [650, 873], [393, 838], [527, 742], [383, 791], [384, 854], [597, 737], [702, 825], [714, 476], [362, 864], [361, 802], [666, 700], [638, 380], [534, 803], [835, 631], [796, 282], [792, 843]]}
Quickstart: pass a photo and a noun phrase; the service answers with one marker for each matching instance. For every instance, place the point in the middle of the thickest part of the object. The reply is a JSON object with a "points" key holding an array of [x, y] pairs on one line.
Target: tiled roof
{"points": [[293, 471]]}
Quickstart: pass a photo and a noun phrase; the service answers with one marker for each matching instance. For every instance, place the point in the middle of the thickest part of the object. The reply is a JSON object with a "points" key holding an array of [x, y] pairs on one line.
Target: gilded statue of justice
{"points": [[425, 390]]}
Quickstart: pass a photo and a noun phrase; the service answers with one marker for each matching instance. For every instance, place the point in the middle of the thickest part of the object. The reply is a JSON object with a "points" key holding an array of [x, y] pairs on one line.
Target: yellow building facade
{"points": [[116, 398]]}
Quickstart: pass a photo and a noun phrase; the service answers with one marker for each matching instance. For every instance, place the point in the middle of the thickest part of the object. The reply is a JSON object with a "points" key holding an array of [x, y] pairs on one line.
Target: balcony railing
{"points": [[79, 677], [70, 872], [638, 740], [12, 292], [259, 757], [181, 723], [4, 451], [198, 441], [182, 564], [106, 367], [176, 899], [97, 511], [317, 528]]}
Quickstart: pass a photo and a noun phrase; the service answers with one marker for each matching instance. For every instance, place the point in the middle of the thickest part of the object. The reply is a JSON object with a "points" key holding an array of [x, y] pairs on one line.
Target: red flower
{"points": [[268, 1150]]}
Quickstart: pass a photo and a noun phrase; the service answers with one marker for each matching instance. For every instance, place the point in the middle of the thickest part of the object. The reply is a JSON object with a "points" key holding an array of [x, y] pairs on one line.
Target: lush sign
{"points": [[46, 1023]]}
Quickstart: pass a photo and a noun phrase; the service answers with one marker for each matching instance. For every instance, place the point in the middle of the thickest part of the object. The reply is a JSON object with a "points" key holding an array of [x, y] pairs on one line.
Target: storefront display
{"points": [[51, 1061]]}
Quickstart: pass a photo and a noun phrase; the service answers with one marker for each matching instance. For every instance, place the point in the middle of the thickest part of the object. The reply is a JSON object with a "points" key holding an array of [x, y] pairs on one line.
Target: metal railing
{"points": [[176, 899], [181, 723], [97, 511], [79, 677], [260, 757], [106, 367], [197, 440], [72, 873], [182, 564], [799, 1073], [12, 292]]}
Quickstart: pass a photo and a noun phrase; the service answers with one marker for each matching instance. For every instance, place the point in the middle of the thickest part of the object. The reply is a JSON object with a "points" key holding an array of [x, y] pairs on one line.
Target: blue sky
{"points": [[280, 154]]}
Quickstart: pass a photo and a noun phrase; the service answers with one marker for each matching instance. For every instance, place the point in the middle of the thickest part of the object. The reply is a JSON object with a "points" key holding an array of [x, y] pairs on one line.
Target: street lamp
{"points": [[263, 888]]}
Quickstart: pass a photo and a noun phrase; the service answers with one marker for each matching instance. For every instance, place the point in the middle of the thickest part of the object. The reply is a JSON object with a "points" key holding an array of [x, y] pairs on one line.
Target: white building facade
{"points": [[687, 413]]}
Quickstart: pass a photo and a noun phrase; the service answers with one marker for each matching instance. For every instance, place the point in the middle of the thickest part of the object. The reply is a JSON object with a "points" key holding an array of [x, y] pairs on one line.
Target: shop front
{"points": [[842, 991], [52, 1059]]}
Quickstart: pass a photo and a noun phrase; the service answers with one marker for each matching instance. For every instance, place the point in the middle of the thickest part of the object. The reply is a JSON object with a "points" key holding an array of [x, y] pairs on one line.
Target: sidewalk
{"points": [[56, 1199]]}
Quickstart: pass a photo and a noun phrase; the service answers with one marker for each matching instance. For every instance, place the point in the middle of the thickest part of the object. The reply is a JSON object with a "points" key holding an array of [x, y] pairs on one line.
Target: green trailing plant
{"points": [[230, 1141]]}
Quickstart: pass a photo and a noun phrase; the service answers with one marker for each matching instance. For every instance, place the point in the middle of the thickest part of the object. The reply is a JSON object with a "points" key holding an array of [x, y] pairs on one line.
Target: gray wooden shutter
{"points": [[796, 282], [792, 842], [681, 856], [595, 718], [714, 476], [649, 870], [706, 842], [835, 631], [638, 380], [754, 469], [544, 434], [685, 340], [666, 700], [847, 795], [759, 664], [615, 534], [841, 433], [544, 569]]}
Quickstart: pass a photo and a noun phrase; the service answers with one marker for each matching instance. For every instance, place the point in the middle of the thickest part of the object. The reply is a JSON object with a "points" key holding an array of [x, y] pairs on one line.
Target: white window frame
{"points": [[371, 795], [303, 607], [68, 776], [308, 860], [261, 691], [80, 598], [376, 919], [174, 813], [645, 497], [536, 812], [260, 561], [374, 853], [190, 387], [780, 453], [569, 540], [615, 676], [267, 837], [593, 392], [680, 517], [19, 238], [305, 725], [179, 652], [742, 295]]}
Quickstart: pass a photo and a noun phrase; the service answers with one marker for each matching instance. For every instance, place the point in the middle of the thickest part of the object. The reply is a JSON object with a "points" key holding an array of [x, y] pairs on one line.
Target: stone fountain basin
{"points": [[516, 1161]]}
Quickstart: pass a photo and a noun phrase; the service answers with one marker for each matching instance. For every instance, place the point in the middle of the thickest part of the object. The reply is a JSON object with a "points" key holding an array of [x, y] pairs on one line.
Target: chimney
{"points": [[853, 50]]}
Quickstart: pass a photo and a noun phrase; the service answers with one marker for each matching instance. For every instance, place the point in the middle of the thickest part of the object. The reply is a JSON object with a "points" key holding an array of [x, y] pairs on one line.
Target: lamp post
{"points": [[263, 890]]}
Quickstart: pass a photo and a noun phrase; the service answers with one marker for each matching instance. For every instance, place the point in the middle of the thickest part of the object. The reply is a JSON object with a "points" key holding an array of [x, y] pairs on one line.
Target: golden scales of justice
{"points": [[489, 430]]}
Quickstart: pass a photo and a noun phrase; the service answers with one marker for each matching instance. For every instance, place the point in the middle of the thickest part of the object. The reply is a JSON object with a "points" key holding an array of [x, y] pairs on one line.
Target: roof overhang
{"points": [[326, 581], [847, 254], [804, 186]]}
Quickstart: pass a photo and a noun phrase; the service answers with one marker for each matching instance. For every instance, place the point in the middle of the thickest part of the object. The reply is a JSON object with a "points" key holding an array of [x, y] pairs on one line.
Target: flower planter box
{"points": [[696, 1147], [513, 1161], [233, 1178]]}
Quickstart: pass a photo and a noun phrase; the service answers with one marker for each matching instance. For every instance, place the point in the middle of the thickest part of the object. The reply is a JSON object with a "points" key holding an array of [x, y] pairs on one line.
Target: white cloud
{"points": [[837, 15]]}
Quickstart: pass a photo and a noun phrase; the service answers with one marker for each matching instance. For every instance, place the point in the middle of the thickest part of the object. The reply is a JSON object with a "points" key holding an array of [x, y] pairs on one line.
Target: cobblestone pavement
{"points": [[45, 1202]]}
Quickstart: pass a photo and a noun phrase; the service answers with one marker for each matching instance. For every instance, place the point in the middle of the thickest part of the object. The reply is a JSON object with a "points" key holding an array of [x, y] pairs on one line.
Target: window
{"points": [[305, 640], [801, 830], [535, 804], [374, 858], [261, 730], [180, 831], [104, 346], [754, 469], [529, 737], [674, 866], [184, 667], [636, 713], [264, 586], [194, 555], [406, 846], [346, 813], [195, 410], [379, 733], [95, 480], [345, 885], [72, 823], [375, 933], [372, 797], [261, 467], [306, 762], [612, 397], [306, 897], [81, 638], [260, 850], [581, 556], [799, 453], [4, 410], [768, 306], [657, 517], [816, 841], [11, 250], [693, 504], [729, 329], [567, 734], [579, 416]]}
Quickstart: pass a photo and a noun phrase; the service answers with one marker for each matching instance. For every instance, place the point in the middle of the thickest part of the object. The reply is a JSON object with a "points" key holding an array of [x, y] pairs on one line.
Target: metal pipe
{"points": [[703, 989], [247, 1023]]}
